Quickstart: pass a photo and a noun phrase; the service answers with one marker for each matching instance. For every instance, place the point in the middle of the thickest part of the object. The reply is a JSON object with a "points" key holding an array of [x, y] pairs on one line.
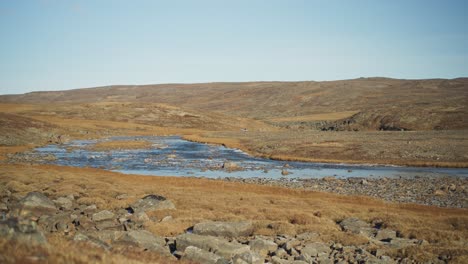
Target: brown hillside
{"points": [[378, 103]]}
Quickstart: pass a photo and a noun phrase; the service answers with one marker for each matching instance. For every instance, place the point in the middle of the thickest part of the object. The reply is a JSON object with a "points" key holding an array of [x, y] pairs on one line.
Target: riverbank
{"points": [[422, 233], [435, 191], [445, 149]]}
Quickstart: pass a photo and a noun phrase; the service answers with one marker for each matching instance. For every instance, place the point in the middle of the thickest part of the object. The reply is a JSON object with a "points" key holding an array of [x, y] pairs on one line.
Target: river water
{"points": [[173, 156]]}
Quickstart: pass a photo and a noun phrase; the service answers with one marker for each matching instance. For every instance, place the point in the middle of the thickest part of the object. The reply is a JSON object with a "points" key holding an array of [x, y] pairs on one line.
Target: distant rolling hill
{"points": [[358, 104]]}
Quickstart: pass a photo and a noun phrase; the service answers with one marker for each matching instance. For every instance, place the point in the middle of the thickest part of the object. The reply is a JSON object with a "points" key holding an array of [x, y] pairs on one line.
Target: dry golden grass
{"points": [[62, 250], [273, 210], [315, 117]]}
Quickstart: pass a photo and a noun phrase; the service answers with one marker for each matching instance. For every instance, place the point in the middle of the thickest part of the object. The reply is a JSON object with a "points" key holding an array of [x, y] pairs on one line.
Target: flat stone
{"points": [[108, 236], [152, 203], [248, 257], [385, 234], [316, 248], [226, 229], [103, 215], [110, 224], [263, 247], [277, 260], [64, 203], [143, 238], [307, 236], [215, 245], [200, 256], [24, 231], [37, 204], [357, 226]]}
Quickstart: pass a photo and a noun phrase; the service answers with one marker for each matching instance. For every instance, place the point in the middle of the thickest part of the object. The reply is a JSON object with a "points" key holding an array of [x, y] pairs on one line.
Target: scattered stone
{"points": [[79, 237], [385, 234], [37, 204], [316, 248], [152, 202], [103, 215], [307, 236], [166, 219], [146, 240], [64, 203], [356, 226], [263, 247], [231, 166], [248, 257], [215, 245], [121, 196], [201, 256], [3, 207], [452, 187], [57, 223], [23, 231], [226, 229]]}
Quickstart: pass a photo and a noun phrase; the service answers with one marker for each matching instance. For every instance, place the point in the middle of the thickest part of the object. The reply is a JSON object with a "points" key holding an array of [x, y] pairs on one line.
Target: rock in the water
{"points": [[284, 172], [248, 257], [37, 204], [152, 203], [216, 245], [226, 229], [201, 256], [262, 246], [230, 166]]}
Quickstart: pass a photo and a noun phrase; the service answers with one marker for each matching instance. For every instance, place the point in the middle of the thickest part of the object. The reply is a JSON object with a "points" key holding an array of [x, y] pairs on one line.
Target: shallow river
{"points": [[173, 156]]}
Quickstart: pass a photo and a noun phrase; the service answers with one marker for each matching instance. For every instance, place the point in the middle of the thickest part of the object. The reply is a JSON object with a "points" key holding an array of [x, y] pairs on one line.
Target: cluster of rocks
{"points": [[30, 157], [438, 191], [233, 242], [28, 220]]}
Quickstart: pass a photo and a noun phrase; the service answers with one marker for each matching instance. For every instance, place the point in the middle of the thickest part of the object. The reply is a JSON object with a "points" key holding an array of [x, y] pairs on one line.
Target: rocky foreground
{"points": [[439, 191], [30, 219]]}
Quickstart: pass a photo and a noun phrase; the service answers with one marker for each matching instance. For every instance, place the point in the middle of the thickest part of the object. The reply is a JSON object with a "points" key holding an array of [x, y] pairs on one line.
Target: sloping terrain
{"points": [[379, 103]]}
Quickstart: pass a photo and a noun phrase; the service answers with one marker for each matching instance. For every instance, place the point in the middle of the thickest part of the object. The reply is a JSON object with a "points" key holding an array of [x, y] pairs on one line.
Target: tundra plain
{"points": [[366, 120]]}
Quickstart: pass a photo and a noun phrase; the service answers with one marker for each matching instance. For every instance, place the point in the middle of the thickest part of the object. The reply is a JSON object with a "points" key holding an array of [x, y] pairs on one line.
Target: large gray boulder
{"points": [[316, 249], [201, 256], [225, 229], [248, 257], [103, 215], [36, 204], [263, 247], [385, 234], [146, 240], [357, 226], [152, 202], [215, 245], [64, 203], [23, 231]]}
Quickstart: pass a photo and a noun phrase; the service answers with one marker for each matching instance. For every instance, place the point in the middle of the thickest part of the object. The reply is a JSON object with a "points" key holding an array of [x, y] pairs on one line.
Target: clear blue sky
{"points": [[53, 45]]}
